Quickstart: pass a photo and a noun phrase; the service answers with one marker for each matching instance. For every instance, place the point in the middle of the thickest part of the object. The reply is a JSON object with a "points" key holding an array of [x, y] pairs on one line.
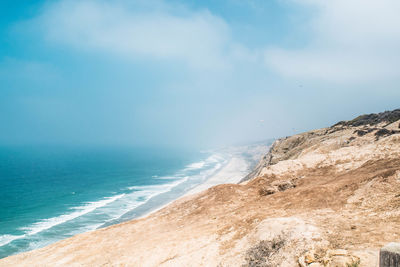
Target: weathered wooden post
{"points": [[389, 255]]}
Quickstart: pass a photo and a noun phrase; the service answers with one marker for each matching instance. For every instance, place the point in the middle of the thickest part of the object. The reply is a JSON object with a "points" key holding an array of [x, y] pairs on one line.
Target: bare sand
{"points": [[231, 173]]}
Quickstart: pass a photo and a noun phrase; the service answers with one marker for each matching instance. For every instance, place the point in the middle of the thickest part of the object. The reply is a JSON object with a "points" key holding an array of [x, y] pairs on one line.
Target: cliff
{"points": [[381, 124], [328, 197]]}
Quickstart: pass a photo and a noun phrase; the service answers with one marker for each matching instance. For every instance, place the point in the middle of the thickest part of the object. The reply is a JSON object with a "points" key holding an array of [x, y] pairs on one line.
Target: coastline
{"points": [[231, 172], [316, 199], [239, 161]]}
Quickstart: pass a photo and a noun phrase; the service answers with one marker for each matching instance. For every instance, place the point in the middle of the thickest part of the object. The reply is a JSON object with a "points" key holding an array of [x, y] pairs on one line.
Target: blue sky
{"points": [[192, 73]]}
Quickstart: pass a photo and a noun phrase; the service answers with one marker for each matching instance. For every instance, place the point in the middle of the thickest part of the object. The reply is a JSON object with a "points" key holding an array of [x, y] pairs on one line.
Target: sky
{"points": [[191, 73]]}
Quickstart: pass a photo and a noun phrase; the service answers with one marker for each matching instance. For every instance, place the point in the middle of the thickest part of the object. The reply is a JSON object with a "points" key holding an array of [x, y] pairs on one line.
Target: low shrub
{"points": [[260, 255]]}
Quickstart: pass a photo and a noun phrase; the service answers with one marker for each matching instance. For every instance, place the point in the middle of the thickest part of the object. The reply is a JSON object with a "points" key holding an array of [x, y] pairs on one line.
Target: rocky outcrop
{"points": [[390, 255], [289, 148], [386, 117], [328, 258]]}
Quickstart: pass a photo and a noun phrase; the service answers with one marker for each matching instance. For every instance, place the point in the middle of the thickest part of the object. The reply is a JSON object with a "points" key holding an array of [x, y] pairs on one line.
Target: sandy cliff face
{"points": [[342, 133], [325, 197]]}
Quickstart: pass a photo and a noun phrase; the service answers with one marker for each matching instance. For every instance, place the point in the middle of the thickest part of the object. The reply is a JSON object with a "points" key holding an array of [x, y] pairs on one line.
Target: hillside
{"points": [[329, 196]]}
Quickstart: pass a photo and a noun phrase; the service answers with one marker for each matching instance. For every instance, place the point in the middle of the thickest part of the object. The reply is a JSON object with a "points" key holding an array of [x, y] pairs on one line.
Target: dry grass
{"points": [[260, 255]]}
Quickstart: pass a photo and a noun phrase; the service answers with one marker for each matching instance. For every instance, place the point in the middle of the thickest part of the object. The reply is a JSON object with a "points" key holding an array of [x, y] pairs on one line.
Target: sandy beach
{"points": [[231, 173]]}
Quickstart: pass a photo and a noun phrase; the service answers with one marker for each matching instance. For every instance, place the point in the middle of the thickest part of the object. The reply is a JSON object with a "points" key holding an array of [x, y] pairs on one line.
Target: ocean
{"points": [[49, 194]]}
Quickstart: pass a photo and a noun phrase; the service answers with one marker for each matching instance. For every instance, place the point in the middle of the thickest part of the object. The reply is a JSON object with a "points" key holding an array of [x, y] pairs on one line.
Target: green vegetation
{"points": [[354, 264]]}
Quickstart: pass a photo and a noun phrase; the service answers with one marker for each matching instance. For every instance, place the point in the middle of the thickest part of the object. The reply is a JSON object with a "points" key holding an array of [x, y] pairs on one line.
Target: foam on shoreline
{"points": [[232, 172], [138, 201]]}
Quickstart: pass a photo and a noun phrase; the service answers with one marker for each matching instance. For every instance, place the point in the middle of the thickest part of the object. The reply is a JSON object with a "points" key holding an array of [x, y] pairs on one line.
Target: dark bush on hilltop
{"points": [[385, 132], [260, 255], [373, 119], [365, 131]]}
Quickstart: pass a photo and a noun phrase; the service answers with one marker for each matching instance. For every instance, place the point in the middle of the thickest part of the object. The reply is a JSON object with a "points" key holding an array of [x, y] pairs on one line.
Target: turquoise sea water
{"points": [[49, 194]]}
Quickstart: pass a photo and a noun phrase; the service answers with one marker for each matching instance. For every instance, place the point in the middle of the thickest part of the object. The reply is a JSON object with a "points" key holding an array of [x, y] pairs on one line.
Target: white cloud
{"points": [[353, 41], [198, 39]]}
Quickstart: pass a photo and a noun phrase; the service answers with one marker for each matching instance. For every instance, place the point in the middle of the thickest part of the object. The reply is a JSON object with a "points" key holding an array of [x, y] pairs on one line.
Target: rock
{"points": [[389, 255], [397, 175], [332, 258], [309, 257], [340, 258], [265, 191], [302, 262], [339, 261], [283, 185], [343, 261]]}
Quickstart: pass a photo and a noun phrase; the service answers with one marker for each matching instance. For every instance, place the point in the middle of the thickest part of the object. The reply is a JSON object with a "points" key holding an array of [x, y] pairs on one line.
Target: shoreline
{"points": [[239, 162], [231, 173]]}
